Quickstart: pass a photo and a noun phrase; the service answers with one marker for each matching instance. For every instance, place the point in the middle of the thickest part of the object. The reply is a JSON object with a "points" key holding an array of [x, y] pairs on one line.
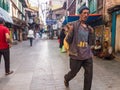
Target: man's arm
{"points": [[8, 39], [69, 36], [91, 38]]}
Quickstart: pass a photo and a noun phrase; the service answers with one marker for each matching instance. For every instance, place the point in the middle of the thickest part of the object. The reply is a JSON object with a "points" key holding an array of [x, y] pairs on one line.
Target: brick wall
{"points": [[110, 4]]}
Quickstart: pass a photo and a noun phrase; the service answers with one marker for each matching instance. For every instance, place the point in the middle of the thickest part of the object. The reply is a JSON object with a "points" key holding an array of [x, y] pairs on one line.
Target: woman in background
{"points": [[31, 36]]}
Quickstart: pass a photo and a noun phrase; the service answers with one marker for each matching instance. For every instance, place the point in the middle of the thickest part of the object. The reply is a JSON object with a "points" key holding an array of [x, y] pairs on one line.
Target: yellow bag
{"points": [[63, 50], [66, 46]]}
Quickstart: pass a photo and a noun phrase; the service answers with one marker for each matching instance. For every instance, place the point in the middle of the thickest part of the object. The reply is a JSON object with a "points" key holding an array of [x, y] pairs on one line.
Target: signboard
{"points": [[54, 26], [51, 21]]}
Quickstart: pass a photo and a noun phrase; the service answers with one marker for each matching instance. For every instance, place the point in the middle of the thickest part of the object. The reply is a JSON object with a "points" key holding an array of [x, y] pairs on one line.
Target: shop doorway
{"points": [[117, 41]]}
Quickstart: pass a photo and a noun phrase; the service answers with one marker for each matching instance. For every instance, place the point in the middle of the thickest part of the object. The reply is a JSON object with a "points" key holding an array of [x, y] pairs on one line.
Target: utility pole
{"points": [[38, 8]]}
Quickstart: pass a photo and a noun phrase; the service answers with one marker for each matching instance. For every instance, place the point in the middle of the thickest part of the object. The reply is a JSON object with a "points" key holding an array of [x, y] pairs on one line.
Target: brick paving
{"points": [[42, 67]]}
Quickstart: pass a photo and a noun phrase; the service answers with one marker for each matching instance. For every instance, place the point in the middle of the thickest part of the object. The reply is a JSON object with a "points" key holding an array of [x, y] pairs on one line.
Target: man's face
{"points": [[84, 15]]}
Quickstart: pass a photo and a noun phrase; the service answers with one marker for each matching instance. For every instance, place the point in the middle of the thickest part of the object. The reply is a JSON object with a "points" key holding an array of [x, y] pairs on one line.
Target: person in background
{"points": [[66, 45], [31, 36], [97, 48], [61, 38], [5, 44], [80, 38], [107, 52]]}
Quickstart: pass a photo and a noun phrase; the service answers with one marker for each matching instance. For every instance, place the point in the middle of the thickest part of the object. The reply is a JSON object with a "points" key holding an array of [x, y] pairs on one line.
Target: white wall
{"points": [[10, 11]]}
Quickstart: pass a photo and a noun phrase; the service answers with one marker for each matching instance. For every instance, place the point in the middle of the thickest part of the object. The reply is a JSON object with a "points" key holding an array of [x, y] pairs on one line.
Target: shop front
{"points": [[115, 41], [19, 29], [99, 32]]}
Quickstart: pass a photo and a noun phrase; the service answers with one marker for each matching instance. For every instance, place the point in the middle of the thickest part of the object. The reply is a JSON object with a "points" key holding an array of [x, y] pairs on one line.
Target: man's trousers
{"points": [[6, 56], [75, 66]]}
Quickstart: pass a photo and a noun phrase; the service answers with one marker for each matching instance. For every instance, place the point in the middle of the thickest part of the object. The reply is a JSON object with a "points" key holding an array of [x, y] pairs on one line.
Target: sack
{"points": [[66, 45], [63, 49], [30, 36]]}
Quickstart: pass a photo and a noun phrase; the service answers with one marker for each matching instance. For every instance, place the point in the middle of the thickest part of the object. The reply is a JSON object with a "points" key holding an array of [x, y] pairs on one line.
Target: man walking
{"points": [[5, 43], [31, 36], [79, 39]]}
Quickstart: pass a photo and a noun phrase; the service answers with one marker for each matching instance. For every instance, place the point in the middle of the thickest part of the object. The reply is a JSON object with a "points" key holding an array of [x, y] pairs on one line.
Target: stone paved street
{"points": [[42, 67]]}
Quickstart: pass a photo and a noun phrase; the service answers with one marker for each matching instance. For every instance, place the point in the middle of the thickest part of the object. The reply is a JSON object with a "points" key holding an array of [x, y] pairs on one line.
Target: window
{"points": [[100, 4], [15, 1], [93, 6], [80, 1]]}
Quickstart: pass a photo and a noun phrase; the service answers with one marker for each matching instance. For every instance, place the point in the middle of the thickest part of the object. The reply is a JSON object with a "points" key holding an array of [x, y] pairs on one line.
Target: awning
{"points": [[4, 14], [19, 22], [91, 18], [113, 9]]}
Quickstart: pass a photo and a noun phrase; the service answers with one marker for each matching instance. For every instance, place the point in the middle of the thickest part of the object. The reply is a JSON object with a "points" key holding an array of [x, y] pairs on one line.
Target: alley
{"points": [[42, 67]]}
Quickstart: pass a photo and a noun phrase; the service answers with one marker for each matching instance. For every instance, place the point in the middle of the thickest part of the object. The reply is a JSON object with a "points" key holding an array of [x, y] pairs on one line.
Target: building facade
{"points": [[71, 7], [80, 3], [109, 30], [18, 15], [5, 5], [113, 12]]}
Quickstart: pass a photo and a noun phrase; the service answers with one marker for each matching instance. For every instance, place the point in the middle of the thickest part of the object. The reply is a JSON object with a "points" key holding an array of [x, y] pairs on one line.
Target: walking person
{"points": [[62, 36], [5, 44], [80, 38], [31, 36]]}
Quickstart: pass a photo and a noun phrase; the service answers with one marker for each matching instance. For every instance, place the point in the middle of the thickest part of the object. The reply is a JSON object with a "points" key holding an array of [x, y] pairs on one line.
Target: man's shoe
{"points": [[66, 83], [10, 72]]}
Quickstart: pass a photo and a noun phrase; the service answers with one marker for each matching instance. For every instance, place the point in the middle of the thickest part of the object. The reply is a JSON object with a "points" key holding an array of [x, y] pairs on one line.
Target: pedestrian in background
{"points": [[107, 51], [31, 36], [97, 48], [80, 38], [5, 44], [62, 36]]}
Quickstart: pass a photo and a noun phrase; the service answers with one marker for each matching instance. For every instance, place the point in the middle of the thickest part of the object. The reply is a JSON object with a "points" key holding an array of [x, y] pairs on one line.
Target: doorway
{"points": [[117, 40]]}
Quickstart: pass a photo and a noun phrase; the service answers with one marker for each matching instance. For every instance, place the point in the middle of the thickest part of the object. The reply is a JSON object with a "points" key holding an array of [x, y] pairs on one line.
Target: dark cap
{"points": [[1, 20], [82, 8]]}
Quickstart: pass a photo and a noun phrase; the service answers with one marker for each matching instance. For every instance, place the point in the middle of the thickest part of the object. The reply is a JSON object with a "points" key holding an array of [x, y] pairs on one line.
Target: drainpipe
{"points": [[67, 13], [104, 4], [66, 7]]}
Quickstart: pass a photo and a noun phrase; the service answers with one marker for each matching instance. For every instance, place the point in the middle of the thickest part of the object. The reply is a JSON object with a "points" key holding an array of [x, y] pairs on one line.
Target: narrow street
{"points": [[42, 67]]}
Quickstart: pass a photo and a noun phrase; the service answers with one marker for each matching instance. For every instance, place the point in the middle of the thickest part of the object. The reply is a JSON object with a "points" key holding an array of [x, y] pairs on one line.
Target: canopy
{"points": [[91, 18], [4, 14]]}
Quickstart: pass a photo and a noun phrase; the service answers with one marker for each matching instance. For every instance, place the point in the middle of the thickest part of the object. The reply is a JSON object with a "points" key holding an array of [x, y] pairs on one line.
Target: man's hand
{"points": [[8, 39], [70, 27], [10, 45]]}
